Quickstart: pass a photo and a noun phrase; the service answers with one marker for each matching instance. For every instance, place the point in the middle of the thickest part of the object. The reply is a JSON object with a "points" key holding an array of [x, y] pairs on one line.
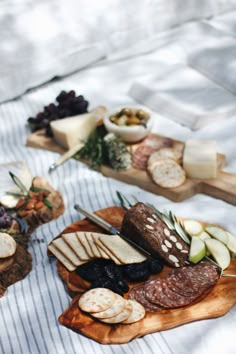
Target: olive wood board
{"points": [[215, 303], [222, 187]]}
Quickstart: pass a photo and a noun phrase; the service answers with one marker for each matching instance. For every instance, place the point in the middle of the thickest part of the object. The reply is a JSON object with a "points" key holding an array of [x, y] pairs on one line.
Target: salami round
{"points": [[138, 294]]}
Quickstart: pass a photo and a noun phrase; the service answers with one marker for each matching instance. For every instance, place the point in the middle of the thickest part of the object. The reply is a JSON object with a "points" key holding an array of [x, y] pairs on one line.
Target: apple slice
{"points": [[231, 244], [219, 252], [193, 227], [204, 235], [218, 233], [197, 250]]}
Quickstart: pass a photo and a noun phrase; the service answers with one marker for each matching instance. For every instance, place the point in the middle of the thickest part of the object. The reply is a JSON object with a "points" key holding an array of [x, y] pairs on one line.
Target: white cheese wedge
{"points": [[199, 159], [68, 132]]}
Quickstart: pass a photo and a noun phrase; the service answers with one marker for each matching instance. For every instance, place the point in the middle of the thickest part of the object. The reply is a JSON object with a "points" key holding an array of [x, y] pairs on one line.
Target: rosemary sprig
{"points": [[47, 203], [18, 183]]}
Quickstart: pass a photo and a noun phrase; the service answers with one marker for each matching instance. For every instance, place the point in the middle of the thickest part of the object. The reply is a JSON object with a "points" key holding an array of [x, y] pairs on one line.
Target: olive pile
{"points": [[103, 273], [130, 117]]}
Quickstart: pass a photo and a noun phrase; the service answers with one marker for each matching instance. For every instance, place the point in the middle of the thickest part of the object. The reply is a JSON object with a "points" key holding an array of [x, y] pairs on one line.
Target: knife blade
{"points": [[108, 227]]}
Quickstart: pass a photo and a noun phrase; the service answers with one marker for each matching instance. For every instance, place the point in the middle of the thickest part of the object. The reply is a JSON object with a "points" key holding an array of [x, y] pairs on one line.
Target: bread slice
{"points": [[68, 252], [72, 240], [61, 257], [167, 173], [122, 250], [7, 245]]}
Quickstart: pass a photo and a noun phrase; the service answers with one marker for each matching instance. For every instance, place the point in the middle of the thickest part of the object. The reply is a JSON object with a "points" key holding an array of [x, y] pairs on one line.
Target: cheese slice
{"points": [[199, 159], [68, 132]]}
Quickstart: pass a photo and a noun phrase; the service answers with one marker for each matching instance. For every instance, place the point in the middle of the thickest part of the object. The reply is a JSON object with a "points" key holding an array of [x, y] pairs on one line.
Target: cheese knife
{"points": [[108, 227], [66, 156]]}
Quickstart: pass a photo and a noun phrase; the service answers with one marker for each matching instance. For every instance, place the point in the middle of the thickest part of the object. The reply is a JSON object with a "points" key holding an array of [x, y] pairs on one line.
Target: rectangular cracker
{"points": [[63, 247], [122, 250], [84, 243], [107, 252], [60, 256], [73, 241], [90, 239]]}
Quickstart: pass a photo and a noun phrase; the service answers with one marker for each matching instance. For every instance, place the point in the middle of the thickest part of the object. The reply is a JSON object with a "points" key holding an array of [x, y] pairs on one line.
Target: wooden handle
{"points": [[223, 187]]}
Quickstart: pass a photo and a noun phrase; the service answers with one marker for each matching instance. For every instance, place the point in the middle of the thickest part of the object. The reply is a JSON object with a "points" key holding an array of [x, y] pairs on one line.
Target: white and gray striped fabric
{"points": [[30, 309]]}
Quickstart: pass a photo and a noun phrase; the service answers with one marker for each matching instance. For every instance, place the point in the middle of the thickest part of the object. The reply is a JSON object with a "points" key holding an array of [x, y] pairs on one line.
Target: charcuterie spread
{"points": [[25, 204], [120, 143], [119, 293]]}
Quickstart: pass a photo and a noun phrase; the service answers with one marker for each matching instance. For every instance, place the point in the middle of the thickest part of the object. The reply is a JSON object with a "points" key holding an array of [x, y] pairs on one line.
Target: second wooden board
{"points": [[222, 187]]}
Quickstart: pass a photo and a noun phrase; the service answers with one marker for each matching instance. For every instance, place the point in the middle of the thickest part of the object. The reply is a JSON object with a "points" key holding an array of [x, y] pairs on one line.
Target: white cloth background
{"points": [[31, 307]]}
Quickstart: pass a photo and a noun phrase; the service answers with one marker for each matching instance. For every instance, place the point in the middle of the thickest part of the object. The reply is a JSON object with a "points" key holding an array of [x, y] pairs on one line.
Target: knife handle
{"points": [[66, 156]]}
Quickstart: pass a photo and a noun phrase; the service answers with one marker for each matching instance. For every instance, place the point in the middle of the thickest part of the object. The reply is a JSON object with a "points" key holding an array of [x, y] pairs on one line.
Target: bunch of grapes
{"points": [[68, 104], [5, 219]]}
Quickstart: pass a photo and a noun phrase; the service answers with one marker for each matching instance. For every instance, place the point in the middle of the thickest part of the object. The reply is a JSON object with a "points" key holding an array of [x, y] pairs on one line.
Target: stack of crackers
{"points": [[74, 249]]}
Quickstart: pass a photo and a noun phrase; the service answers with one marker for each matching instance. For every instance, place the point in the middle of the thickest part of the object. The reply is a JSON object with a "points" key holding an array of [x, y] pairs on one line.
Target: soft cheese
{"points": [[199, 159], [70, 131]]}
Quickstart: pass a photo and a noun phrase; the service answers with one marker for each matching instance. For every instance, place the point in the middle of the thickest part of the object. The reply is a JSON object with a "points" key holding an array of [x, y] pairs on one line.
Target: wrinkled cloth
{"points": [[30, 309]]}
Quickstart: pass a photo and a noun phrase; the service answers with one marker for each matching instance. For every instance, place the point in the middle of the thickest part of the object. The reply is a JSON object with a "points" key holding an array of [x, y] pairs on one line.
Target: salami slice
{"points": [[138, 294]]}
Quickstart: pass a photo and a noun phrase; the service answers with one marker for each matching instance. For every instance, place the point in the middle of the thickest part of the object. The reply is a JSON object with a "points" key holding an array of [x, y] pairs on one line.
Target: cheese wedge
{"points": [[68, 132], [199, 159]]}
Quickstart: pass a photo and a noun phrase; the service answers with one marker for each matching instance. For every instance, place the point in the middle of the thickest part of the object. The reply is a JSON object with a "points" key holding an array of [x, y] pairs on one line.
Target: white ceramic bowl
{"points": [[132, 133]]}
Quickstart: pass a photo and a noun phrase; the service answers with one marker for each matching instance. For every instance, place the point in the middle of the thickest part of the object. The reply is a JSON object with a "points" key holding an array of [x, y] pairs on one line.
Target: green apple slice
{"points": [[197, 250], [231, 244], [193, 227], [204, 235], [219, 252], [218, 233]]}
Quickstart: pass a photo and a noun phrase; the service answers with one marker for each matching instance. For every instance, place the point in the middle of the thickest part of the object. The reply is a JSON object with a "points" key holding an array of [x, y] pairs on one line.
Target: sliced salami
{"points": [[138, 294]]}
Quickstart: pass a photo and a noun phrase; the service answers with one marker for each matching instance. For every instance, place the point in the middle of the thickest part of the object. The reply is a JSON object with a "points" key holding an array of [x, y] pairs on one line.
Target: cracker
{"points": [[60, 256], [90, 239], [72, 240], [63, 247], [122, 250], [95, 300], [138, 312], [112, 311], [84, 243], [122, 316], [167, 173], [109, 254], [7, 245], [163, 153]]}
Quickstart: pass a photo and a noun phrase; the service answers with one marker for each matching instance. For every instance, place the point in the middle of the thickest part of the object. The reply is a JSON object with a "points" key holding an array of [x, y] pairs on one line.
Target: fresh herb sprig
{"points": [[94, 148]]}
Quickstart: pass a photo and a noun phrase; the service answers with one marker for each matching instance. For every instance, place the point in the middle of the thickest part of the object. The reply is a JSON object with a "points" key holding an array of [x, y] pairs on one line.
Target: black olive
{"points": [[137, 271], [155, 266]]}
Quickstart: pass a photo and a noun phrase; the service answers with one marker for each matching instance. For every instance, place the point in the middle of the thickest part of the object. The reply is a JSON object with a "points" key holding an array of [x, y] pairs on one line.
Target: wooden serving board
{"points": [[217, 302], [222, 187]]}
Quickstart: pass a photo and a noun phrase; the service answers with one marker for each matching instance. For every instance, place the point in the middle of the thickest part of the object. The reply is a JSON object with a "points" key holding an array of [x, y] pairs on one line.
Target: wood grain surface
{"points": [[216, 302], [222, 187]]}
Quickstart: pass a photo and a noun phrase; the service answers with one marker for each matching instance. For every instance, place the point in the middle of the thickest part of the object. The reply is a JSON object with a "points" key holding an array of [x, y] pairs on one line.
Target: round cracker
{"points": [[7, 245], [96, 300], [167, 173], [122, 316], [112, 311], [164, 153], [138, 312]]}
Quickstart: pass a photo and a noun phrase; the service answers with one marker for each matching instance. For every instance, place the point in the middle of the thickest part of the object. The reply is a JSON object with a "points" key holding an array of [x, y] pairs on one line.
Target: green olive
{"points": [[133, 121], [126, 111], [142, 115], [122, 120]]}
